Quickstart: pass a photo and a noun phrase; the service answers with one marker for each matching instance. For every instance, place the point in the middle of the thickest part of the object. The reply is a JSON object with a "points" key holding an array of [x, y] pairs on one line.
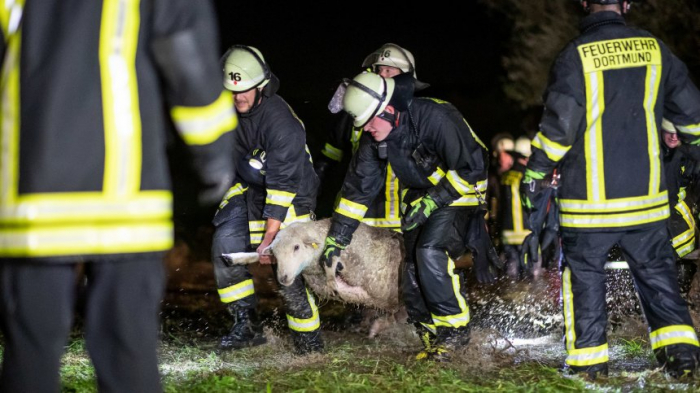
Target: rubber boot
{"points": [[307, 342], [427, 338], [679, 361], [245, 332], [448, 340], [591, 372]]}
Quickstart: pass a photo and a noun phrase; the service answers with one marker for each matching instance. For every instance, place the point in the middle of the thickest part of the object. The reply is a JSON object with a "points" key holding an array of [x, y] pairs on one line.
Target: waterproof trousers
{"points": [[121, 323], [651, 261], [431, 289]]}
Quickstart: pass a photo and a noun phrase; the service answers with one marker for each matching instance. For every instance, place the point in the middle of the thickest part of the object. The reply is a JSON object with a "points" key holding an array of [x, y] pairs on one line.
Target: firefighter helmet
{"points": [[394, 56], [366, 96], [523, 146], [667, 126], [244, 69]]}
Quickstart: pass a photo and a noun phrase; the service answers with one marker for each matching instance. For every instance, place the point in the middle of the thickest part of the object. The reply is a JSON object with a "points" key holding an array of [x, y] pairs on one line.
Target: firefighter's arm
{"points": [[286, 152], [271, 228], [682, 100], [184, 48], [466, 159]]}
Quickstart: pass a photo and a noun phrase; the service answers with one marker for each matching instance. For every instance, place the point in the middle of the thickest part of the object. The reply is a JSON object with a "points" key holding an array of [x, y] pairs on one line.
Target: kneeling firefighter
{"points": [[443, 166], [275, 185]]}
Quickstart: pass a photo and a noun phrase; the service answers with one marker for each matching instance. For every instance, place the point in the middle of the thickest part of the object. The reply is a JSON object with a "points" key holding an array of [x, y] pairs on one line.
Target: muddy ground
{"points": [[512, 322]]}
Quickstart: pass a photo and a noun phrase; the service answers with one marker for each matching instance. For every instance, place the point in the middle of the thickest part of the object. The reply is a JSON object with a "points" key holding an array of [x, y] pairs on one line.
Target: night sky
{"points": [[456, 46]]}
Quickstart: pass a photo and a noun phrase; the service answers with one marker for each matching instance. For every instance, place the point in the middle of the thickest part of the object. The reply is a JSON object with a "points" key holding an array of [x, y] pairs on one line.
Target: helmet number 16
{"points": [[235, 76]]}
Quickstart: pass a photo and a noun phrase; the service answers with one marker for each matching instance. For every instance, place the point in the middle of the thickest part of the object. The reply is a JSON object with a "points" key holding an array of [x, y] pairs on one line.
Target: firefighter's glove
{"points": [[529, 253], [332, 249], [530, 188], [550, 238], [419, 213]]}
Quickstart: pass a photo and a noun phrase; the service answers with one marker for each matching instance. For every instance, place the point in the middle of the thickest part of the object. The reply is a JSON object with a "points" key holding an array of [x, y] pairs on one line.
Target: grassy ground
{"points": [[494, 361]]}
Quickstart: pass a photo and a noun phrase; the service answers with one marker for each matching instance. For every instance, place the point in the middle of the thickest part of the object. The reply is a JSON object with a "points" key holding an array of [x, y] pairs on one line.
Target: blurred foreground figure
{"points": [[88, 91], [607, 93]]}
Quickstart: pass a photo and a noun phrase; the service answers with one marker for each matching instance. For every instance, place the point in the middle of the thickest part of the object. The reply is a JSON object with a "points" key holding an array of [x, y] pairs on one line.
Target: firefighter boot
{"points": [[427, 338], [679, 361], [448, 340], [591, 372], [307, 342], [245, 332]]}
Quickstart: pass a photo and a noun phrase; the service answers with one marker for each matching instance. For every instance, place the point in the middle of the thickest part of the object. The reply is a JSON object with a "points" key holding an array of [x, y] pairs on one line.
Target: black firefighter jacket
{"points": [[89, 91], [607, 93], [438, 155], [288, 178]]}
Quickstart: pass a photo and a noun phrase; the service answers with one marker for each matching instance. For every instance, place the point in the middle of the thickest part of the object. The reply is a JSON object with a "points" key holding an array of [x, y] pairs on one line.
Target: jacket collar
{"points": [[599, 19]]}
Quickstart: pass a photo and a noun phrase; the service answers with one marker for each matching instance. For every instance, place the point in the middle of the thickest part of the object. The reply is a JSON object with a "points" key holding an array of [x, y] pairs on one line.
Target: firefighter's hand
{"points": [[418, 214], [529, 251], [266, 257], [331, 250], [485, 274], [550, 238]]}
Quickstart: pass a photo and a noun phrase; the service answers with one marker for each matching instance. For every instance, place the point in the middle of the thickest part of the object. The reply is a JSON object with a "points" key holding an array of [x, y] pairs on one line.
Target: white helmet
{"points": [[244, 69], [366, 96], [522, 146], [667, 126], [394, 56]]}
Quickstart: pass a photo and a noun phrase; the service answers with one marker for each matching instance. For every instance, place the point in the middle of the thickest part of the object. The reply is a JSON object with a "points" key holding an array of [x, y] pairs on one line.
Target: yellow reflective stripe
{"points": [[514, 237], [615, 220], [692, 129], [462, 186], [686, 249], [391, 194], [351, 209], [685, 212], [516, 208], [236, 190], [355, 138], [436, 176], [86, 238], [10, 16], [382, 223], [461, 319], [595, 106], [237, 292], [279, 198], [332, 152], [92, 206], [292, 217], [468, 200], [9, 124], [683, 238], [306, 324], [120, 101], [429, 326], [256, 238], [205, 124], [674, 334], [651, 90], [476, 138], [553, 150], [257, 225], [568, 306], [614, 205], [587, 356]]}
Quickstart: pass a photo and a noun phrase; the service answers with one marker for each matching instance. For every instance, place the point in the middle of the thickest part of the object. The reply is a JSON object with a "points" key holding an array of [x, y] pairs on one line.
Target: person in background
{"points": [[88, 90], [275, 185], [613, 188]]}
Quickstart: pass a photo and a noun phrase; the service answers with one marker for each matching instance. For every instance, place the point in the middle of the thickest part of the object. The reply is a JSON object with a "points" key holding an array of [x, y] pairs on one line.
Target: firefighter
{"points": [[275, 185], [388, 61], [443, 166], [607, 92], [85, 176]]}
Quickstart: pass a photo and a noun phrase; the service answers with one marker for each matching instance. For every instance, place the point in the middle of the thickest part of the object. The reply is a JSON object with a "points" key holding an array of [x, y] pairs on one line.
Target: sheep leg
{"points": [[241, 258]]}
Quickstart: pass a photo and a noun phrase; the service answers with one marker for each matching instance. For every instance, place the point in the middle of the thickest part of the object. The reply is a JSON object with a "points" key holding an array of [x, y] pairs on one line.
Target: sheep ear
{"points": [[311, 243]]}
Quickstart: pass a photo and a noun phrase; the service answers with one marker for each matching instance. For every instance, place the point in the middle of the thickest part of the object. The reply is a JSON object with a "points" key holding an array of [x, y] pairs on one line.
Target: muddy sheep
{"points": [[371, 264]]}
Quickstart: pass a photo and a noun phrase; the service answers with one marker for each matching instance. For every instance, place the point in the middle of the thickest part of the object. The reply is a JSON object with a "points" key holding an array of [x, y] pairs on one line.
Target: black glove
{"points": [[486, 260], [418, 214], [550, 238], [332, 248], [529, 251]]}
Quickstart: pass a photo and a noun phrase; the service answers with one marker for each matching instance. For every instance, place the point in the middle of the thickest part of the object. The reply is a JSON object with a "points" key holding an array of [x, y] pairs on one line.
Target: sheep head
{"points": [[294, 252]]}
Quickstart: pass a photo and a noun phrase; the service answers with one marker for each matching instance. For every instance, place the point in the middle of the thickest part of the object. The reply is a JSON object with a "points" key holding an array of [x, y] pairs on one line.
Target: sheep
{"points": [[371, 264]]}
